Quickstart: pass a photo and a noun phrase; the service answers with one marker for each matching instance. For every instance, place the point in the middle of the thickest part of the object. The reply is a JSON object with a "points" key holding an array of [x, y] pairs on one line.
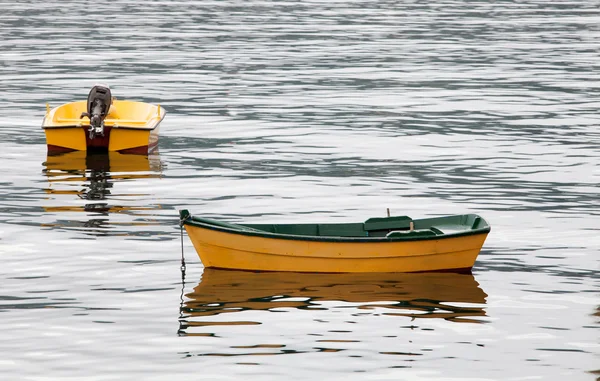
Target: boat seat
{"points": [[387, 223]]}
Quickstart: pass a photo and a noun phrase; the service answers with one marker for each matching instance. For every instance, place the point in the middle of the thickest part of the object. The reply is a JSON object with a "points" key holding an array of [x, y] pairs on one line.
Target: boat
{"points": [[103, 123], [233, 297], [379, 244]]}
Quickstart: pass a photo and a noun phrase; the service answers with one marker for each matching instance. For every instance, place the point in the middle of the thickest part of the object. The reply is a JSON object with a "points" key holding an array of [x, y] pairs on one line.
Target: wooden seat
{"points": [[387, 223]]}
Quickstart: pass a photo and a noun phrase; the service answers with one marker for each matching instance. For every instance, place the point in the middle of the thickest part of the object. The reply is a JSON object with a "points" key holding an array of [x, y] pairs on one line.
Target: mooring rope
{"points": [[181, 330], [182, 255]]}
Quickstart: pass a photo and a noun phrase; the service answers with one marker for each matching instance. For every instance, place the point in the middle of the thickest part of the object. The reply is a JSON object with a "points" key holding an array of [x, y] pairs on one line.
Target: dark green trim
{"points": [[446, 227]]}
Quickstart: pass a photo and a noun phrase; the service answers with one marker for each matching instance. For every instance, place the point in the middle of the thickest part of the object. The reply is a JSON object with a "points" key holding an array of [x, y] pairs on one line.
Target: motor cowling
{"points": [[98, 105]]}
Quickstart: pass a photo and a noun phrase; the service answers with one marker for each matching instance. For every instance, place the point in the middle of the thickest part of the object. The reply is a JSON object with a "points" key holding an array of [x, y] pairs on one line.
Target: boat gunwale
{"points": [[114, 125], [193, 221], [120, 127]]}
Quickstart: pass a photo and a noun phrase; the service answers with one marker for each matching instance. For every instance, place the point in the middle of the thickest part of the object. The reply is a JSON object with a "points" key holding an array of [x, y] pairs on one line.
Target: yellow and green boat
{"points": [[103, 123], [386, 244]]}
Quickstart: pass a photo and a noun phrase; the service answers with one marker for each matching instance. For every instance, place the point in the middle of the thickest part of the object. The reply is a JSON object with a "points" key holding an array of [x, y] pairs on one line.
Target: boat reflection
{"points": [[91, 177], [451, 296]]}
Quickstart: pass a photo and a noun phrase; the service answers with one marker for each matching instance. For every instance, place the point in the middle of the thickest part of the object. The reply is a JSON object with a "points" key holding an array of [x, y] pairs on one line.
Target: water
{"points": [[301, 112]]}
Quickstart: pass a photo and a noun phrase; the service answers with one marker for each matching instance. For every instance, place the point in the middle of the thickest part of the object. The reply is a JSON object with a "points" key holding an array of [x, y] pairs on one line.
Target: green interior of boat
{"points": [[391, 227]]}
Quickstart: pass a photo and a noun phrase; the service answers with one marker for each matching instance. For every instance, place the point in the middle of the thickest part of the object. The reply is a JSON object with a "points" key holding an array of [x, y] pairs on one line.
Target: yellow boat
{"points": [[230, 293], [103, 123], [388, 244]]}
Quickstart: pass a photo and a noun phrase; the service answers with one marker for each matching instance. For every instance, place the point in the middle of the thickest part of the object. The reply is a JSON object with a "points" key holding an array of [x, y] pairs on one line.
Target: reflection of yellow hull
{"points": [[416, 295], [112, 162], [98, 208], [101, 170], [130, 127]]}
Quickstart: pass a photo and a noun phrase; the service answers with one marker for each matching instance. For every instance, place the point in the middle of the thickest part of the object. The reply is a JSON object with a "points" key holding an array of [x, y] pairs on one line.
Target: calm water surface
{"points": [[300, 112]]}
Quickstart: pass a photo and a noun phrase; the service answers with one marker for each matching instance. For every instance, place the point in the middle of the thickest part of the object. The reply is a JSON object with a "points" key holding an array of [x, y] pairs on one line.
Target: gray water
{"points": [[313, 111]]}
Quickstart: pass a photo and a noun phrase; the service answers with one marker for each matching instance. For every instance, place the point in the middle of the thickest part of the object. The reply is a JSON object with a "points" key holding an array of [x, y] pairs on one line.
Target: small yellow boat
{"points": [[103, 123], [388, 244]]}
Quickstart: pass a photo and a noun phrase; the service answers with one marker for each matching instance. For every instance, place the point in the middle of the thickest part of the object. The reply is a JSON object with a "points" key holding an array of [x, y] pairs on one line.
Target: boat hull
{"points": [[221, 249], [132, 129]]}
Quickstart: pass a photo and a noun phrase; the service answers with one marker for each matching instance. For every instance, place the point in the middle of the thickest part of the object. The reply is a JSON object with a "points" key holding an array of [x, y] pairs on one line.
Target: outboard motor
{"points": [[98, 105]]}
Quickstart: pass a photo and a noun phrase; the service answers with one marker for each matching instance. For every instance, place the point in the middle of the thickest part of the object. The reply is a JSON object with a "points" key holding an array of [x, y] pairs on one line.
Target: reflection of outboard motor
{"points": [[98, 105]]}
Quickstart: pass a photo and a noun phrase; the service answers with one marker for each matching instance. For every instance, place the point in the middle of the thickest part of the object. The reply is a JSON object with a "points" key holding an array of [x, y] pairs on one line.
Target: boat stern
{"points": [[129, 127]]}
